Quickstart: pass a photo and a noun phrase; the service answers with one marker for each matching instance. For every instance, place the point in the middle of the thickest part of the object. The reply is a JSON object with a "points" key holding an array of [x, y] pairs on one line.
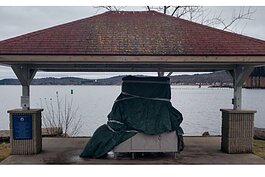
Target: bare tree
{"points": [[60, 115], [243, 14], [188, 12], [110, 8], [200, 15], [203, 15], [197, 14]]}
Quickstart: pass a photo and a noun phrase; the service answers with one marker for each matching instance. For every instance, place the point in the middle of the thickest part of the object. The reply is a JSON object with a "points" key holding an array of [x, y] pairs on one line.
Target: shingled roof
{"points": [[132, 33]]}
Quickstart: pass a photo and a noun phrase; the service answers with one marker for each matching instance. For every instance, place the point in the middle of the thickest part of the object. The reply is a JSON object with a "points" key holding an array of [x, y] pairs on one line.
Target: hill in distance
{"points": [[203, 79]]}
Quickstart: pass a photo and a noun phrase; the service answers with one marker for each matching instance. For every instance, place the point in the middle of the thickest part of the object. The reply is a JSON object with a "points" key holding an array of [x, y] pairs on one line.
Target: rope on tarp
{"points": [[136, 96], [115, 121], [118, 122]]}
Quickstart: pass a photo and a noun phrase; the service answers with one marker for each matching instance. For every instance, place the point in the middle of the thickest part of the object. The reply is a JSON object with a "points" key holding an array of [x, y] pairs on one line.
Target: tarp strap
{"points": [[109, 127], [124, 99], [132, 131], [114, 131], [115, 121], [136, 96]]}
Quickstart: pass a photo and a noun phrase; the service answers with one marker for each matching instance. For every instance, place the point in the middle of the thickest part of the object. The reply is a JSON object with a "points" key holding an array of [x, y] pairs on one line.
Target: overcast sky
{"points": [[16, 21]]}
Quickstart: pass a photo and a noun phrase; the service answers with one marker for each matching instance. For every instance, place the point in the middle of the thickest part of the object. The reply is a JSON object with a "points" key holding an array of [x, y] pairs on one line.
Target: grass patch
{"points": [[4, 150], [259, 148]]}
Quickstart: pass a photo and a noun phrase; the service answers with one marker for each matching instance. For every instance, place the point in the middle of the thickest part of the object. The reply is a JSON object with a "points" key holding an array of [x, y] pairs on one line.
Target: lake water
{"points": [[200, 107]]}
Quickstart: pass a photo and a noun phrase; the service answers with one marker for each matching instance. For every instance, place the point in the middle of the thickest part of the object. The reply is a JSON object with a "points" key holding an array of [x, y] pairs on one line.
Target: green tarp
{"points": [[143, 106]]}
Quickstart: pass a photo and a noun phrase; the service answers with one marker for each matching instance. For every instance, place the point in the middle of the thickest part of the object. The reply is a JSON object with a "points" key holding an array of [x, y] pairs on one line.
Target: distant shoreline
{"points": [[216, 78]]}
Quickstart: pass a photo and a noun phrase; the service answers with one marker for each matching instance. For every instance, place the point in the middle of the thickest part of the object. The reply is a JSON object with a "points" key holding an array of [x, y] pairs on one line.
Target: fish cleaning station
{"points": [[127, 41]]}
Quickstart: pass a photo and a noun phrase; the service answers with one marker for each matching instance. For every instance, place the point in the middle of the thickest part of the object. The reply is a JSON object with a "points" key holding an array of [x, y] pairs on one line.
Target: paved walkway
{"points": [[198, 150]]}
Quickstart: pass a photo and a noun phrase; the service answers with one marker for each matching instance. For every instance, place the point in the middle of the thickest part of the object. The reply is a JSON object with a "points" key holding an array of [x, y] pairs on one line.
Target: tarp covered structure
{"points": [[143, 106]]}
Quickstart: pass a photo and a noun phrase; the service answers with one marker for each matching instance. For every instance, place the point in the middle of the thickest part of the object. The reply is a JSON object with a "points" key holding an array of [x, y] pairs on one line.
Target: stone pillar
{"points": [[25, 131], [237, 130]]}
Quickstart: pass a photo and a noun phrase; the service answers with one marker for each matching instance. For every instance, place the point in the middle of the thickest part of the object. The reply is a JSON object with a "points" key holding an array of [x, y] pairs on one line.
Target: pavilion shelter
{"points": [[142, 41]]}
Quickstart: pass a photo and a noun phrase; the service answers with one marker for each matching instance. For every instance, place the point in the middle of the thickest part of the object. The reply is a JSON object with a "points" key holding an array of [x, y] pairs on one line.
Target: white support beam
{"points": [[237, 100], [239, 74], [25, 75], [14, 59], [243, 74]]}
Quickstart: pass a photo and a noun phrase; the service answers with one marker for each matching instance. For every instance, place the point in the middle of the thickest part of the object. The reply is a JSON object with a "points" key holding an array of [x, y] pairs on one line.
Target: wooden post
{"points": [[25, 75], [239, 75]]}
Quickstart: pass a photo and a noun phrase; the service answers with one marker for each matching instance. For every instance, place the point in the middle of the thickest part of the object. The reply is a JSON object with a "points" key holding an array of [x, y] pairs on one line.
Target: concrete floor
{"points": [[198, 150]]}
